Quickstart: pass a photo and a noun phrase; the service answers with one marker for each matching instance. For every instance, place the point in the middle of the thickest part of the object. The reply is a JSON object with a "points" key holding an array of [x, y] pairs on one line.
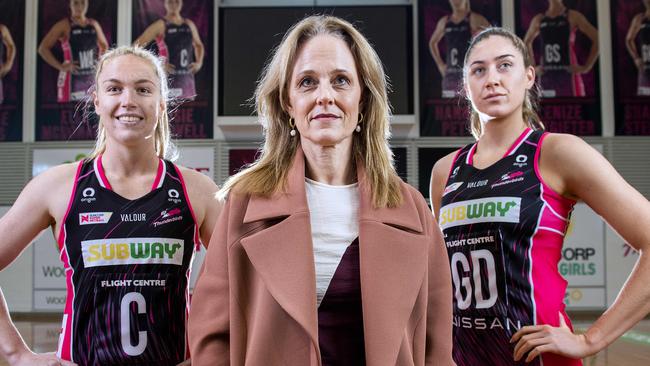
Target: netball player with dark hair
{"points": [[82, 41], [504, 204], [128, 222], [179, 44], [559, 69], [456, 29], [7, 55], [637, 41]]}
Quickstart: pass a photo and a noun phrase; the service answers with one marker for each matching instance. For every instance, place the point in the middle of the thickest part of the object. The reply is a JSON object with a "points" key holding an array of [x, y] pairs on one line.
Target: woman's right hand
{"points": [[638, 62], [442, 68], [34, 359], [68, 67], [169, 68]]}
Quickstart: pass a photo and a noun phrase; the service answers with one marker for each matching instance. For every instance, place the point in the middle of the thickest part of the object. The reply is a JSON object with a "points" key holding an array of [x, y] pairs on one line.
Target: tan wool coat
{"points": [[255, 301]]}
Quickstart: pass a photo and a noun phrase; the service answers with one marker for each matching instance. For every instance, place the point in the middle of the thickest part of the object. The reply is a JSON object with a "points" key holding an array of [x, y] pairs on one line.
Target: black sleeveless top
{"points": [[127, 270]]}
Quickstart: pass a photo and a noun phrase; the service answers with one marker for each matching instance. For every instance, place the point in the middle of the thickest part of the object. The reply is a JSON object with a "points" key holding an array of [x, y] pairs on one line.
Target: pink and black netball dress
{"points": [[127, 268], [643, 46], [457, 37], [177, 47], [558, 54], [80, 49], [503, 228]]}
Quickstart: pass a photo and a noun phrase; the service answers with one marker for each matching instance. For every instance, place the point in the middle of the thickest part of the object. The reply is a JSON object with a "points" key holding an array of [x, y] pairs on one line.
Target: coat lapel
{"points": [[393, 262], [282, 253], [393, 259]]}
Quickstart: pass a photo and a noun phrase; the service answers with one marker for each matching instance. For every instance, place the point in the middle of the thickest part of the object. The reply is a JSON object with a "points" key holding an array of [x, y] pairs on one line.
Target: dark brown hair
{"points": [[529, 110]]}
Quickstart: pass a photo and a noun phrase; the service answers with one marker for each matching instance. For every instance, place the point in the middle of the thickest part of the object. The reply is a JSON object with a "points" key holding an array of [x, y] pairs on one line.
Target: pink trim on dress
{"points": [[548, 284], [159, 175], [63, 83], [163, 52], [577, 82], [470, 154], [555, 199], [197, 240], [61, 237], [101, 174], [65, 345], [520, 140]]}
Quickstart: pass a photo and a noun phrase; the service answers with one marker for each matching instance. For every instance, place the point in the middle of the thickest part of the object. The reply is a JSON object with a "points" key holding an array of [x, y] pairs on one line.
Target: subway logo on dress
{"points": [[493, 209], [118, 251]]}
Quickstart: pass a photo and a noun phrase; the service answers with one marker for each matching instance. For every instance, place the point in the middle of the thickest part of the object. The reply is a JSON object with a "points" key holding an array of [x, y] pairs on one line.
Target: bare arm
{"points": [[630, 40], [439, 175], [598, 184], [42, 200], [102, 43], [153, 31], [437, 35], [10, 47], [199, 50], [59, 30], [202, 191], [477, 22], [581, 22], [531, 34]]}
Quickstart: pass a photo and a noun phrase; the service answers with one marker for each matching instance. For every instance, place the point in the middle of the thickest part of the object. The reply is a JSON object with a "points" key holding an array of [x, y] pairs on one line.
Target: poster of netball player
{"points": [[70, 40], [562, 38], [180, 32], [631, 56], [446, 27], [12, 25]]}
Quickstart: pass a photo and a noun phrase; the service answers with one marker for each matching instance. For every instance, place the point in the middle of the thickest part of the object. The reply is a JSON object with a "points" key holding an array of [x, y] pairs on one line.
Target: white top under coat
{"points": [[334, 222]]}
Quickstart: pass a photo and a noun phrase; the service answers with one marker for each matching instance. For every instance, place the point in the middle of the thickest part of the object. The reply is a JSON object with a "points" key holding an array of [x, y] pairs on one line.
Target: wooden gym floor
{"points": [[41, 332]]}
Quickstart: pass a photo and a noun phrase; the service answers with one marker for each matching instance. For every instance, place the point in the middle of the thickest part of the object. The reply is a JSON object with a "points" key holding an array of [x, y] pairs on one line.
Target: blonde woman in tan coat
{"points": [[322, 255]]}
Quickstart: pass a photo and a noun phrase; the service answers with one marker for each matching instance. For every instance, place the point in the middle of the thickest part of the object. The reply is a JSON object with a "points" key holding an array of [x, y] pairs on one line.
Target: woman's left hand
{"points": [[578, 69], [537, 339], [195, 67]]}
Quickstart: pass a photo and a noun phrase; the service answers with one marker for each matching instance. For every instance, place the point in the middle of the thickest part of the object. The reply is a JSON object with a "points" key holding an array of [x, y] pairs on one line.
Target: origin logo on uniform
{"points": [[90, 218], [492, 209], [119, 251]]}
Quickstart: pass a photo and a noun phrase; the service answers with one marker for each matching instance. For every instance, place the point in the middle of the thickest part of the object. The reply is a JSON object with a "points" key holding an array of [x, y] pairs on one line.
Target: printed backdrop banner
{"points": [[583, 259], [444, 37], [561, 39], [12, 36], [49, 274], [71, 38], [631, 51], [185, 43]]}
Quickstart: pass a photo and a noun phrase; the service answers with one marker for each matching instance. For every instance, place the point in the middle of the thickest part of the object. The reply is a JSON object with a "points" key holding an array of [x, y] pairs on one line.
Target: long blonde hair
{"points": [[529, 108], [370, 147], [162, 135]]}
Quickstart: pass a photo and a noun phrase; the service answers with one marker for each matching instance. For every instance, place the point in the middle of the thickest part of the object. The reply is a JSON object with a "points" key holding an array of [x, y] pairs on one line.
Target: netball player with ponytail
{"points": [[456, 29], [178, 42], [82, 42], [504, 203], [127, 221], [637, 41], [559, 69], [7, 55]]}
